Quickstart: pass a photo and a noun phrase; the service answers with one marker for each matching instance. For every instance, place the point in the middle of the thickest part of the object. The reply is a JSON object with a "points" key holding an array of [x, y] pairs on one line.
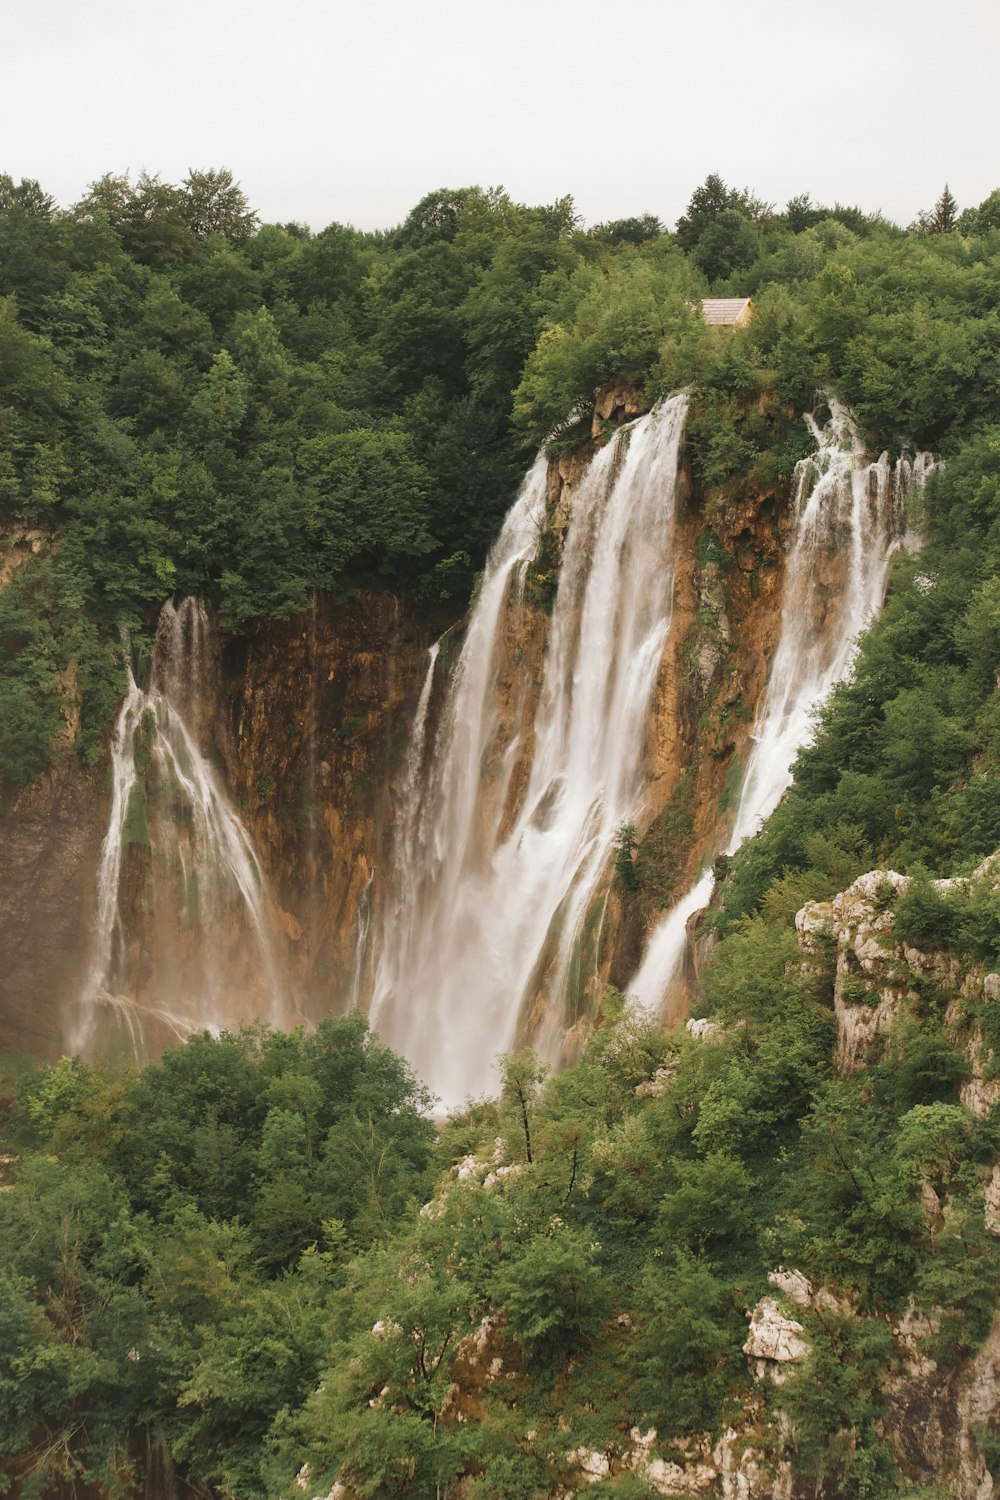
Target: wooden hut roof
{"points": [[726, 310]]}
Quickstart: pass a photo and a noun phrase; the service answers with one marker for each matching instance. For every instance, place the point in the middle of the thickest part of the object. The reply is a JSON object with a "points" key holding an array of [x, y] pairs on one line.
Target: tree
{"points": [[692, 1322], [988, 213], [633, 231], [801, 213], [552, 1295], [215, 203], [26, 196], [710, 1208], [150, 217], [435, 217], [707, 203], [110, 197], [30, 379], [727, 243], [522, 1076], [32, 263], [945, 213]]}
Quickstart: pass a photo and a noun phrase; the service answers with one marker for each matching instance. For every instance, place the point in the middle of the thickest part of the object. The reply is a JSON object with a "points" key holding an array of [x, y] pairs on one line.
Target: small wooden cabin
{"points": [[727, 312]]}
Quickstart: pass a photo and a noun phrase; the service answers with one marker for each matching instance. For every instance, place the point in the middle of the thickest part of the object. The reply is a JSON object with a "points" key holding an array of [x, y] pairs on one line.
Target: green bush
{"points": [[924, 918]]}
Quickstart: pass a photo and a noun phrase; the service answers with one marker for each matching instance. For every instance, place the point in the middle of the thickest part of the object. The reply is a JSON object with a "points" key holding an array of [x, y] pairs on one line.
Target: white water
{"points": [[663, 960], [193, 950], [496, 866], [847, 521]]}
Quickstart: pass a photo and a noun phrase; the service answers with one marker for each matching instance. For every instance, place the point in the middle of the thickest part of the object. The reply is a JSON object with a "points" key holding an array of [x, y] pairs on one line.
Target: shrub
{"points": [[924, 919]]}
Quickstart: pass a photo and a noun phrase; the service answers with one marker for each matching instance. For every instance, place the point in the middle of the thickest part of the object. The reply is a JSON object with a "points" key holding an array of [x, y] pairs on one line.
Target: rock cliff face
{"points": [[311, 733], [939, 1415], [49, 846], [879, 973]]}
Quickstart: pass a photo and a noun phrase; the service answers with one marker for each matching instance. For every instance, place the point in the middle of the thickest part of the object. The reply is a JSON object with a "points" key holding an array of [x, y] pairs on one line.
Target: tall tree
{"points": [[216, 204], [945, 213]]}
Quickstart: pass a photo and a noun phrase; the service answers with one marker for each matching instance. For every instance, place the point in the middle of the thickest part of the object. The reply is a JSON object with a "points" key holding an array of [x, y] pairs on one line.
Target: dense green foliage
{"points": [[173, 1242], [191, 403], [216, 1263]]}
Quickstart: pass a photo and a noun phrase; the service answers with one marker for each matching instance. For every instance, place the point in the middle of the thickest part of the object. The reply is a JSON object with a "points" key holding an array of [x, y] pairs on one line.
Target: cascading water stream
{"points": [[183, 937], [497, 865], [848, 519]]}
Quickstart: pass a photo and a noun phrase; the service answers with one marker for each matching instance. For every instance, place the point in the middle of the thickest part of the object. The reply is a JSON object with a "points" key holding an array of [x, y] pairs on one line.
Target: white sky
{"points": [[329, 110]]}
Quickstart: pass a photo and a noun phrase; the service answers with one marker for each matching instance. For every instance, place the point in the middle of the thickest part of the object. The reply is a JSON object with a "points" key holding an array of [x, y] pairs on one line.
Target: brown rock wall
{"points": [[49, 846], [711, 685], [312, 733]]}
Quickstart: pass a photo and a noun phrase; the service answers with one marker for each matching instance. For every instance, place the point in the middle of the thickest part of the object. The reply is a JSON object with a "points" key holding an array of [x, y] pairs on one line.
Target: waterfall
{"points": [[505, 837], [183, 938], [847, 521]]}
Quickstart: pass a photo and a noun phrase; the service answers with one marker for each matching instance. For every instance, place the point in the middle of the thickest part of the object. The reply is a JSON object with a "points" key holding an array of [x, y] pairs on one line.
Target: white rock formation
{"points": [[800, 1290], [746, 1474], [873, 971], [991, 1200], [774, 1342], [977, 1408], [655, 1087], [980, 1093]]}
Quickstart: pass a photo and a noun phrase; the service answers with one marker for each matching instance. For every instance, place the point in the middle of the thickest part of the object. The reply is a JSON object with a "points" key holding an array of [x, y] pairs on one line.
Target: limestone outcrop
{"points": [[938, 1414], [773, 1342], [876, 970]]}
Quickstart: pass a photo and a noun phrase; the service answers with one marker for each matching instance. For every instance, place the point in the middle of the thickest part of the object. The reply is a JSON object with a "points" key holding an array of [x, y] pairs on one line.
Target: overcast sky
{"points": [[331, 110]]}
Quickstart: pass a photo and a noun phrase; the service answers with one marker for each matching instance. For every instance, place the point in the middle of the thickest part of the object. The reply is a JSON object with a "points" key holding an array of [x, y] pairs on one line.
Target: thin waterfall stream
{"points": [[848, 519], [502, 846], [183, 930]]}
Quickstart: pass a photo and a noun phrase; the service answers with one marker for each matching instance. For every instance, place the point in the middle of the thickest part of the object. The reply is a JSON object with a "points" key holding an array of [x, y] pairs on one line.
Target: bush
{"points": [[924, 917]]}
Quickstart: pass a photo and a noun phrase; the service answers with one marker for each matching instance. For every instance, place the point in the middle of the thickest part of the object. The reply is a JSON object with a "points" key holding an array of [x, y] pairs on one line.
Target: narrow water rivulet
{"points": [[506, 834], [183, 936], [848, 518]]}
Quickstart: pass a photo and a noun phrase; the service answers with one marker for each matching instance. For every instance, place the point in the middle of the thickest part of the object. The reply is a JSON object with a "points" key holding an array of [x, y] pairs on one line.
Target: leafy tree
{"points": [[31, 693], [709, 1208], [712, 199], [684, 1354], [26, 196], [216, 204], [636, 230], [436, 217], [551, 1296]]}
